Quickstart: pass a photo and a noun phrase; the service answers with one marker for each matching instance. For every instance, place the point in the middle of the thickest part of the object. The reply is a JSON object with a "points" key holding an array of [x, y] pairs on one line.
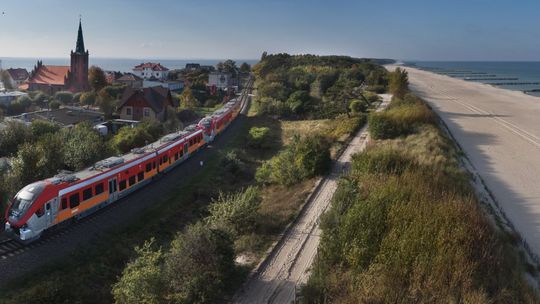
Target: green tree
{"points": [[298, 101], [228, 66], [357, 106], [50, 149], [76, 97], [40, 127], [187, 100], [40, 99], [199, 265], [245, 67], [88, 98], [54, 105], [14, 134], [235, 213], [64, 97], [82, 146], [24, 166], [106, 103], [259, 137], [172, 123], [129, 138], [96, 78], [25, 101], [399, 83], [142, 280], [5, 78]]}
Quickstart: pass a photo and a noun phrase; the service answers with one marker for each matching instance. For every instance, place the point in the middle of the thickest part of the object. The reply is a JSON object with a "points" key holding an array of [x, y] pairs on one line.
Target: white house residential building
{"points": [[151, 70]]}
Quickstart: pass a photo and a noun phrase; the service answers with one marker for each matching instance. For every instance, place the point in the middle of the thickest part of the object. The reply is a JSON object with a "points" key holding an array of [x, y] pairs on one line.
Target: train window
{"points": [[176, 156], [160, 161], [48, 206], [140, 176], [40, 212], [165, 158], [148, 167], [132, 180], [87, 194], [99, 189], [154, 165], [74, 200], [181, 153], [64, 203], [122, 185]]}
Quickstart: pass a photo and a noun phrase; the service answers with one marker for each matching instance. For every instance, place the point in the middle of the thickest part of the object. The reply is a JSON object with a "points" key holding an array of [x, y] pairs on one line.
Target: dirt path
{"points": [[288, 264], [499, 131]]}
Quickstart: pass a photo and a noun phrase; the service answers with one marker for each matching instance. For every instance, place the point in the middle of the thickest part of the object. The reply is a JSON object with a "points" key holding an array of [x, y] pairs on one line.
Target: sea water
{"points": [[528, 72]]}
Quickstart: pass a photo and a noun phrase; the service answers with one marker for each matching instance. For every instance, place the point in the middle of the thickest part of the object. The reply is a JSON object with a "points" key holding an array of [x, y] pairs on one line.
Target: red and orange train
{"points": [[67, 196]]}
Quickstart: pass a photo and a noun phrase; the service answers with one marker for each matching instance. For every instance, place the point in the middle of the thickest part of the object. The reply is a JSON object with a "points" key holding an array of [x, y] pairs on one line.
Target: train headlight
{"points": [[7, 226]]}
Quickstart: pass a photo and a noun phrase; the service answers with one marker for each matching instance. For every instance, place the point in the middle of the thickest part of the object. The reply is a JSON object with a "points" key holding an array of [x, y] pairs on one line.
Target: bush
{"points": [[304, 158], [398, 120], [142, 280], [259, 137], [235, 213], [357, 106], [63, 97], [199, 265], [129, 138], [54, 105]]}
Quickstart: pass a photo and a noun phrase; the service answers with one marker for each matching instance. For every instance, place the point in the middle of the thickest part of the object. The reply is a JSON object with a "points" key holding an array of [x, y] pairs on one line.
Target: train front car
{"points": [[27, 216]]}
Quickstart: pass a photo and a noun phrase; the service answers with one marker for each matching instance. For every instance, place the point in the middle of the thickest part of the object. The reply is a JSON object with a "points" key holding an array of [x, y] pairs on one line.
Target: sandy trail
{"points": [[499, 131], [288, 264]]}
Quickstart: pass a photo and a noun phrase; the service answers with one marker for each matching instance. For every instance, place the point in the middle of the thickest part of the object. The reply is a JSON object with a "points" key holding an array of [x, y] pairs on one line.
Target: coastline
{"points": [[498, 132]]}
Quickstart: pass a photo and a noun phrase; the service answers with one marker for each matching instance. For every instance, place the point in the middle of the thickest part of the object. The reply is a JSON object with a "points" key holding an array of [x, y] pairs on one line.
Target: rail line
{"points": [[10, 248]]}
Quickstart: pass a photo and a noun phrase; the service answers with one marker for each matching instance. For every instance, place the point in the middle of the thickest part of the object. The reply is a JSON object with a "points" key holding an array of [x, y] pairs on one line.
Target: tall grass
{"points": [[406, 227]]}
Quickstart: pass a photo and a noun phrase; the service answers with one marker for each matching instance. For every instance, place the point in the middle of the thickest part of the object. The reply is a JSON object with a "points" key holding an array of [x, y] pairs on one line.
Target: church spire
{"points": [[80, 42]]}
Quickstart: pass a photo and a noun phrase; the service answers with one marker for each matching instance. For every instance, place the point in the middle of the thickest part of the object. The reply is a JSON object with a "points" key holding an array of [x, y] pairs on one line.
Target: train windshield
{"points": [[24, 199]]}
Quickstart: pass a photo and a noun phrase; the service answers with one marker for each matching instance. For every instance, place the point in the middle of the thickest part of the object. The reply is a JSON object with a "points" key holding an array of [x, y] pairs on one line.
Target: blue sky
{"points": [[243, 29]]}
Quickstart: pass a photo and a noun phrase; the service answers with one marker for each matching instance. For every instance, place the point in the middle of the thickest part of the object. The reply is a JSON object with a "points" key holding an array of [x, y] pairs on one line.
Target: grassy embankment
{"points": [[87, 275], [406, 227]]}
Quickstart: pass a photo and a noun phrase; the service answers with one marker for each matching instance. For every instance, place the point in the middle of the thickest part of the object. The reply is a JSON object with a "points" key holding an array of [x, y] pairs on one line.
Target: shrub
{"points": [[235, 213], [199, 265], [141, 281], [304, 158], [129, 138], [357, 106], [54, 105], [259, 137], [63, 97], [399, 120]]}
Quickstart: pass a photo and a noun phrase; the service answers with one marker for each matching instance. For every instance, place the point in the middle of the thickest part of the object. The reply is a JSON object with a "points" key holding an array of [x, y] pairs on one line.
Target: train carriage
{"points": [[67, 196]]}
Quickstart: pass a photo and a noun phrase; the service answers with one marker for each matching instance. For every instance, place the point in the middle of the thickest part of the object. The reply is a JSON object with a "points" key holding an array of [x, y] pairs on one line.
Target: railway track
{"points": [[17, 259]]}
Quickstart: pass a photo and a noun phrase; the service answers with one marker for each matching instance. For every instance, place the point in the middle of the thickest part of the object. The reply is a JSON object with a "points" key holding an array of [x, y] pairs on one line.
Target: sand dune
{"points": [[499, 130]]}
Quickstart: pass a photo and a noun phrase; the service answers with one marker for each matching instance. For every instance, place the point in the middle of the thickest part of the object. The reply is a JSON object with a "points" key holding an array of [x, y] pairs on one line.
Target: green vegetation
{"points": [[216, 215], [259, 137], [401, 118], [405, 225], [304, 158], [307, 86], [399, 83], [96, 78]]}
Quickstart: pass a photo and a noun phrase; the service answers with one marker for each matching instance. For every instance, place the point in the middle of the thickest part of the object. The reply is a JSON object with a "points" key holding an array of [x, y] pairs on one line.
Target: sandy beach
{"points": [[499, 130]]}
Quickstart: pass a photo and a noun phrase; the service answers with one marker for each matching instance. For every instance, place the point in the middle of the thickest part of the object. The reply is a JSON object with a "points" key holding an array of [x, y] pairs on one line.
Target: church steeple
{"points": [[80, 41]]}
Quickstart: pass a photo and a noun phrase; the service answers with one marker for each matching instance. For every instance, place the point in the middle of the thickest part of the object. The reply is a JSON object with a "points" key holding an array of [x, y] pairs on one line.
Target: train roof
{"points": [[113, 163]]}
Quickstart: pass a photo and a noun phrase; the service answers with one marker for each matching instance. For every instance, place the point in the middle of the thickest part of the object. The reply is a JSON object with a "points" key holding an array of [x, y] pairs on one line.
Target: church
{"points": [[53, 78]]}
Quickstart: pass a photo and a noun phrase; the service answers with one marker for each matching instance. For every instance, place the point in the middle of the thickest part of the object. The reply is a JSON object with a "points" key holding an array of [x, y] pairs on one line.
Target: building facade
{"points": [[146, 103], [151, 70], [16, 77], [222, 81], [53, 78]]}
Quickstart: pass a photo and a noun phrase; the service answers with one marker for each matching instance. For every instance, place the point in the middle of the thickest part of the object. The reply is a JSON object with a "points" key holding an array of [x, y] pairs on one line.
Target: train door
{"points": [[51, 210], [113, 190]]}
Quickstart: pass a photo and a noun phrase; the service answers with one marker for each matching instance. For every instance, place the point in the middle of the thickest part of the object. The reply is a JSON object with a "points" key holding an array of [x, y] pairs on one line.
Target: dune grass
{"points": [[406, 227]]}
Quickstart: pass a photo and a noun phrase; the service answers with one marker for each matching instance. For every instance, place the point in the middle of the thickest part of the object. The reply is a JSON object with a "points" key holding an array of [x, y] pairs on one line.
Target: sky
{"points": [[494, 30]]}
